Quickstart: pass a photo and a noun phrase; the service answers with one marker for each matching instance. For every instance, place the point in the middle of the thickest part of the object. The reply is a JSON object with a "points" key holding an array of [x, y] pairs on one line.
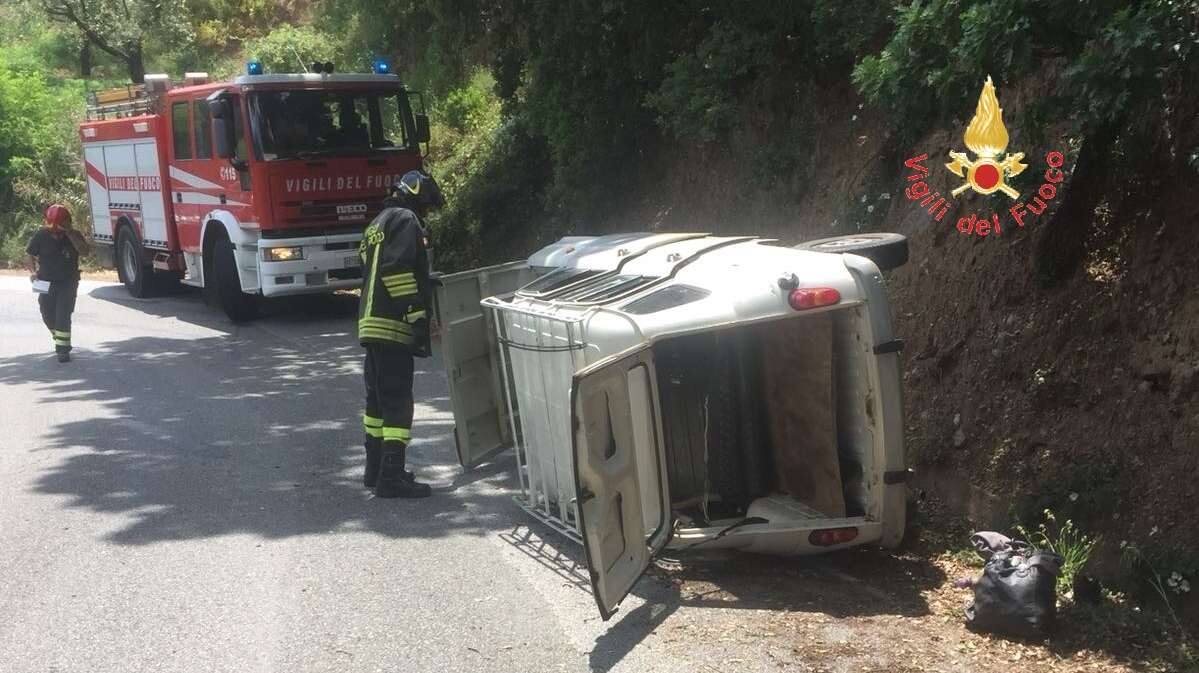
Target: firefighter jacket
{"points": [[395, 282]]}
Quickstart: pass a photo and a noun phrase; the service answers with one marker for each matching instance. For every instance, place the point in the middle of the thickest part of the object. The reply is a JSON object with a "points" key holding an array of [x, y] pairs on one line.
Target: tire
{"points": [[238, 305], [130, 262], [139, 278], [887, 251]]}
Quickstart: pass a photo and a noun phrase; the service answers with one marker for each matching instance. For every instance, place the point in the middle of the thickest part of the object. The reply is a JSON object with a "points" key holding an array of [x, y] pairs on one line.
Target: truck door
{"points": [[482, 419], [623, 498]]}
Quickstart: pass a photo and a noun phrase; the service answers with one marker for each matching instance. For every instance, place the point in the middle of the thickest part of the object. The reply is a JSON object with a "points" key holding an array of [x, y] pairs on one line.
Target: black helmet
{"points": [[419, 191]]}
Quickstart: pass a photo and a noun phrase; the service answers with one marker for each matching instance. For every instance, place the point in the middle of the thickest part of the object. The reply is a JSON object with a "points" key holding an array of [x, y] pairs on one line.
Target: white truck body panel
{"points": [[133, 186], [643, 316]]}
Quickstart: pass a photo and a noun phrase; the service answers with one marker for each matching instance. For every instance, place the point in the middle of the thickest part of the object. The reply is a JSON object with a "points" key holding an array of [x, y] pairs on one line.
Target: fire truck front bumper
{"points": [[308, 265]]}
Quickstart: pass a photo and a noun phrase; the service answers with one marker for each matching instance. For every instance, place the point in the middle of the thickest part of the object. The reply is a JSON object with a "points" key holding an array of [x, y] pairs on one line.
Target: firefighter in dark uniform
{"points": [[393, 325], [53, 255]]}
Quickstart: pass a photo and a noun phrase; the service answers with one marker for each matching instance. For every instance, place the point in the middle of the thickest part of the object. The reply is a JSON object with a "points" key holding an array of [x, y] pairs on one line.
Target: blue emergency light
{"points": [[381, 67], [254, 68]]}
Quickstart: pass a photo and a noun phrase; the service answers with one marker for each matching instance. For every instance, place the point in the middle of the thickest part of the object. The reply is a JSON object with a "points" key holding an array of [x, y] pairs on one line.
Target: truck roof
{"points": [[717, 263], [317, 78]]}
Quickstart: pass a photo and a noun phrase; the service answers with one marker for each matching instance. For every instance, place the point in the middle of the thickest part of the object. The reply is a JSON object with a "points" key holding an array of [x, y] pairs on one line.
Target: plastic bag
{"points": [[1017, 593]]}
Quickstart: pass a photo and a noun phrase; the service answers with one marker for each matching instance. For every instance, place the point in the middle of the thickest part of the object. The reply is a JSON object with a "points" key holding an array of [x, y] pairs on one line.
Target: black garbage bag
{"points": [[1017, 593]]}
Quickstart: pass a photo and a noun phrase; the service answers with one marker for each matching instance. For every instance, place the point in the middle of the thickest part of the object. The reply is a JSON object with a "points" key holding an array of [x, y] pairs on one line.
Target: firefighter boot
{"points": [[374, 461], [394, 481], [374, 458]]}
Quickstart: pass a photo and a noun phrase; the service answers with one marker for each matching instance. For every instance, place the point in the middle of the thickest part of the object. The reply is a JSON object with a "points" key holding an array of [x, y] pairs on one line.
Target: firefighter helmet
{"points": [[57, 215], [419, 191]]}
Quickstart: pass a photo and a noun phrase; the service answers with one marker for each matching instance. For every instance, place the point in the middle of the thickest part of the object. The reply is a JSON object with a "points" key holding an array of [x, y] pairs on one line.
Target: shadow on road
{"points": [[187, 304], [851, 583], [255, 429]]}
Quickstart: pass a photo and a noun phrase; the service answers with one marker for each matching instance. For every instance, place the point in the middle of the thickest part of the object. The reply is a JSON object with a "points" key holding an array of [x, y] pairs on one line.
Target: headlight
{"points": [[283, 254]]}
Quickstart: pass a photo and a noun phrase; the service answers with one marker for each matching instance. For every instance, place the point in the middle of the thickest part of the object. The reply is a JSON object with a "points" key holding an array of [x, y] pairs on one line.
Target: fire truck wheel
{"points": [[238, 305], [887, 251], [131, 267]]}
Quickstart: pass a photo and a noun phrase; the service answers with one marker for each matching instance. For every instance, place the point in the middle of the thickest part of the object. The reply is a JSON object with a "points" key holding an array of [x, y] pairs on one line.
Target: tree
{"points": [[121, 28]]}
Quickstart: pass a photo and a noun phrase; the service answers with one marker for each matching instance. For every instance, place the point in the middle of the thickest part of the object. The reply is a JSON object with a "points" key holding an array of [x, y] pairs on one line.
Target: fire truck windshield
{"points": [[305, 123]]}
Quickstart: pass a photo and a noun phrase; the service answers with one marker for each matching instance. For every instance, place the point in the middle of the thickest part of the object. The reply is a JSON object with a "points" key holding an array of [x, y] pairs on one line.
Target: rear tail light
{"points": [[805, 298], [832, 536]]}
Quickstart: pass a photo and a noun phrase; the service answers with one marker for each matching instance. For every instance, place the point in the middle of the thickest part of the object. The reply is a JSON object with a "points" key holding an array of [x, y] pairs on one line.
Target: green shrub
{"points": [[697, 96], [291, 49], [1065, 539]]}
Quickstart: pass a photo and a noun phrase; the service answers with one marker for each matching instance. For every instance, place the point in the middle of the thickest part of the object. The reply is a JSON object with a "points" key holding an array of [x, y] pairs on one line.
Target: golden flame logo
{"points": [[986, 137]]}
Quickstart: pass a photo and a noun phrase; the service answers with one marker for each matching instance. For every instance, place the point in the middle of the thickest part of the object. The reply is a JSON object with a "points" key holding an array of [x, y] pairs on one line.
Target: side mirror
{"points": [[422, 128], [222, 128]]}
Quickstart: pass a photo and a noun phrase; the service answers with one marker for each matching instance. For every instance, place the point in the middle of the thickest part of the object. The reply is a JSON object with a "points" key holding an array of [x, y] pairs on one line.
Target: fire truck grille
{"points": [[289, 231], [330, 213]]}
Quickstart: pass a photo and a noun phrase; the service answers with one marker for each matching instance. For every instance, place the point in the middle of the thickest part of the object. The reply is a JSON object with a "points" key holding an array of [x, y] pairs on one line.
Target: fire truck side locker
{"points": [[123, 160]]}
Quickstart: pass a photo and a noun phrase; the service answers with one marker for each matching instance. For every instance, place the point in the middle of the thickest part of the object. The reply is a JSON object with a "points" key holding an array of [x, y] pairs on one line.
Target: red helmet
{"points": [[57, 215]]}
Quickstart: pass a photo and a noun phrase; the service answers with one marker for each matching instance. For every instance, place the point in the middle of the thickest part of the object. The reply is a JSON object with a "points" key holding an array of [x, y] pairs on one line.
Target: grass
{"points": [[1066, 540]]}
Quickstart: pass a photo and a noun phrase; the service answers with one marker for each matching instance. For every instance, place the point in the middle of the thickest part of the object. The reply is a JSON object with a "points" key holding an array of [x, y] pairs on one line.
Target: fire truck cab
{"points": [[254, 188]]}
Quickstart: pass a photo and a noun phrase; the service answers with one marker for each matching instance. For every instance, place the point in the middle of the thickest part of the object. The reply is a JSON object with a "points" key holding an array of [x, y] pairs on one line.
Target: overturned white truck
{"points": [[669, 390]]}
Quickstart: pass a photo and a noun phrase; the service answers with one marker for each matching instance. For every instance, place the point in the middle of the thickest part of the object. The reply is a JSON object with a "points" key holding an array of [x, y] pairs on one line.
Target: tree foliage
{"points": [[291, 49], [38, 150], [221, 25], [122, 28], [1104, 59]]}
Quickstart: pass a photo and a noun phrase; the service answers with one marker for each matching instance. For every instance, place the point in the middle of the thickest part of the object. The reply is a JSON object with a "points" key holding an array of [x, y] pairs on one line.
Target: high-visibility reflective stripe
{"points": [[371, 333], [370, 289], [401, 335], [400, 284], [385, 324], [397, 434], [377, 328], [400, 294], [61, 338], [395, 286], [373, 426], [413, 316], [401, 277]]}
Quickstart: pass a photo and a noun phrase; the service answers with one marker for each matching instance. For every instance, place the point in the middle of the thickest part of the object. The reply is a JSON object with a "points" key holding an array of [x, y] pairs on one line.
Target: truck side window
{"points": [[391, 122], [667, 297], [181, 130], [202, 123], [238, 128]]}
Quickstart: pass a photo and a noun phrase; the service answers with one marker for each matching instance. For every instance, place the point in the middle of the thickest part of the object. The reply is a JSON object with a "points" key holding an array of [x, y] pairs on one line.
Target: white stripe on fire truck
{"points": [[192, 180], [206, 200]]}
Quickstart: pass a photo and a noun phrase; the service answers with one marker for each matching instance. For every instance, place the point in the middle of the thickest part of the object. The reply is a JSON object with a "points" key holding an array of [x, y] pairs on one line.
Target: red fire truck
{"points": [[259, 187]]}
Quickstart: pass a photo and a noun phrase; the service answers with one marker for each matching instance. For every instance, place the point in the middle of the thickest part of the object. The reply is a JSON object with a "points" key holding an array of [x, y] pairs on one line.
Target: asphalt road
{"points": [[185, 495]]}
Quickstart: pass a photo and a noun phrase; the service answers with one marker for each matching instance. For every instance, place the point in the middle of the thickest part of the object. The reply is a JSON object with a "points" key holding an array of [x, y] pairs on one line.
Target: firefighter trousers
{"points": [[57, 305], [388, 373]]}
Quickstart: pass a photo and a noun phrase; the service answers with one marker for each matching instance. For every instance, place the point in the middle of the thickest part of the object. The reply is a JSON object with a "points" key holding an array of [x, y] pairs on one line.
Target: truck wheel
{"points": [[887, 251], [238, 305], [131, 267]]}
